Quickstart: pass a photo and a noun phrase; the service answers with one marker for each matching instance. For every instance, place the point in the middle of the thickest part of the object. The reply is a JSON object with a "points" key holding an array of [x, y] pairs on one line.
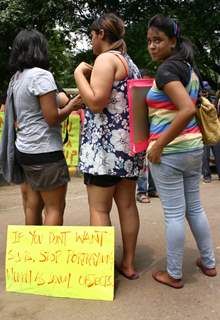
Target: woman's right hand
{"points": [[84, 68], [154, 155]]}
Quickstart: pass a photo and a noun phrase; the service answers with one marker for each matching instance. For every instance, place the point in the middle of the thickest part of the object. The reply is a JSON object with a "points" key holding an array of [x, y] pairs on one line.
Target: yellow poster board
{"points": [[2, 117], [74, 262], [71, 147]]}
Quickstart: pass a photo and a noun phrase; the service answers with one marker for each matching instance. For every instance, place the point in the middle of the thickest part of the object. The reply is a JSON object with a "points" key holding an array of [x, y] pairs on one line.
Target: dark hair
{"points": [[184, 49], [113, 28], [145, 73], [29, 50], [3, 98]]}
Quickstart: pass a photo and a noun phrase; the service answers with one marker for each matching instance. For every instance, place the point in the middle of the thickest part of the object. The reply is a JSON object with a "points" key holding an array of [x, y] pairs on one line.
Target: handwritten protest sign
{"points": [[2, 117], [71, 148], [70, 131], [74, 262]]}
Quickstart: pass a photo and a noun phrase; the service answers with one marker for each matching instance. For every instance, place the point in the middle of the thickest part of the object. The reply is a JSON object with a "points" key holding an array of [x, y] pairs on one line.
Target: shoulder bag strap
{"points": [[119, 56]]}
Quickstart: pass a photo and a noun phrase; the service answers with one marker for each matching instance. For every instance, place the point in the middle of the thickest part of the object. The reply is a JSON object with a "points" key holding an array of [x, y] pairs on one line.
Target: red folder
{"points": [[138, 113]]}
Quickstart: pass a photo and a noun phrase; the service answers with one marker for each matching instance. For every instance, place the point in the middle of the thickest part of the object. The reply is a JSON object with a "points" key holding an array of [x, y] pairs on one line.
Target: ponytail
{"points": [[119, 45]]}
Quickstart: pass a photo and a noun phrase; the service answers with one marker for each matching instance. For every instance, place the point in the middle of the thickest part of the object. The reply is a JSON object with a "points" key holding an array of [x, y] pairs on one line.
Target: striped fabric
{"points": [[162, 111]]}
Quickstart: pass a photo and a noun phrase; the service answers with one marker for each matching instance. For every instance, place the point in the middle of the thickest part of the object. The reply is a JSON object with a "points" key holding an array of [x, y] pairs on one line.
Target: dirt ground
{"points": [[142, 299]]}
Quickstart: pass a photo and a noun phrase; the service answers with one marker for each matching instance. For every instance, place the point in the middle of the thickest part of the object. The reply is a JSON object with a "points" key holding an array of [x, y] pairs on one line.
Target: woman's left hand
{"points": [[154, 154], [76, 103]]}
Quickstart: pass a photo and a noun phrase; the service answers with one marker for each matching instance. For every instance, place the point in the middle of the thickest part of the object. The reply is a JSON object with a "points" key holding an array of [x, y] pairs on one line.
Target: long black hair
{"points": [[184, 48], [29, 50]]}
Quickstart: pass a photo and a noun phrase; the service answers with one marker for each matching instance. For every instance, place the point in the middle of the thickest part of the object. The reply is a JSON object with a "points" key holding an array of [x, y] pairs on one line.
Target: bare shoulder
{"points": [[105, 56], [105, 61]]}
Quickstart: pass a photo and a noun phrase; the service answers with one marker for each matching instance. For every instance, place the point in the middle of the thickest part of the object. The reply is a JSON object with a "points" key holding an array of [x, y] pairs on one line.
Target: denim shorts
{"points": [[46, 176]]}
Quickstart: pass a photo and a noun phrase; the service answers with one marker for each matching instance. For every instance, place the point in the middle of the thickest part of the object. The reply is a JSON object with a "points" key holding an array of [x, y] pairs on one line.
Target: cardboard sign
{"points": [[70, 129], [74, 262], [2, 117], [138, 113], [71, 148]]}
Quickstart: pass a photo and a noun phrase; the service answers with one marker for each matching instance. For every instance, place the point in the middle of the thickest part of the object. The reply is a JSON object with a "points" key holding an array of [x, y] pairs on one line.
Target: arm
{"points": [[62, 98], [186, 110], [51, 113], [96, 94]]}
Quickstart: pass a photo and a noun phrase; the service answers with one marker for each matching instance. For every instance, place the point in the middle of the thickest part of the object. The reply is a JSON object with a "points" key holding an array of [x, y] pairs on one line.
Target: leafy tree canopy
{"points": [[59, 19]]}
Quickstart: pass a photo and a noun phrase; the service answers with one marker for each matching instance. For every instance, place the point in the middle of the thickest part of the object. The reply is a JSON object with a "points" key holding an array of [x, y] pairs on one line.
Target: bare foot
{"points": [[130, 274], [164, 278], [210, 272]]}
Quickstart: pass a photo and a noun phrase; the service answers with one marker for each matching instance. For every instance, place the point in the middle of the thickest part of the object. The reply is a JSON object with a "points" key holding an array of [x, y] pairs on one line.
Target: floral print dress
{"points": [[105, 138]]}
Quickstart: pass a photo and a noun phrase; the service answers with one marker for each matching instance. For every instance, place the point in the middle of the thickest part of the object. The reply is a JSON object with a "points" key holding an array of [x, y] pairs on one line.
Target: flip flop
{"points": [[143, 198], [133, 276], [153, 194], [210, 272], [170, 281]]}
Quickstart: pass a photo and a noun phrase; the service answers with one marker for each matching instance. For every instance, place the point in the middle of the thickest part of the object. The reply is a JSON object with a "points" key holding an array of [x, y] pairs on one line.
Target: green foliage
{"points": [[58, 19], [42, 15]]}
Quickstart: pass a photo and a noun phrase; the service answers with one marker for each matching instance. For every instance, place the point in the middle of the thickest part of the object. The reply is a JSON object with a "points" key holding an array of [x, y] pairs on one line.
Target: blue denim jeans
{"points": [[151, 184], [145, 181], [142, 184], [206, 171], [177, 180]]}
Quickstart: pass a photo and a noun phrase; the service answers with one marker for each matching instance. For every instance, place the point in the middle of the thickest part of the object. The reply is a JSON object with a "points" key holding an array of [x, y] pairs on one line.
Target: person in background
{"points": [[143, 184], [175, 149], [207, 92], [38, 139], [217, 100], [61, 96], [152, 191], [215, 149], [206, 170], [2, 103], [110, 173]]}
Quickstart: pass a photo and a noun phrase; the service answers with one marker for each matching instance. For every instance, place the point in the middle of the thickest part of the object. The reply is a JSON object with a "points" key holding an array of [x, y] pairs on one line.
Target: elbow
{"points": [[52, 121], [96, 106], [96, 109], [191, 111]]}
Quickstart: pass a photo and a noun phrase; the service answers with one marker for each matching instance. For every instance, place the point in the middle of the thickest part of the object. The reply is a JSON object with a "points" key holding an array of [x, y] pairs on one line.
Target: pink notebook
{"points": [[138, 113]]}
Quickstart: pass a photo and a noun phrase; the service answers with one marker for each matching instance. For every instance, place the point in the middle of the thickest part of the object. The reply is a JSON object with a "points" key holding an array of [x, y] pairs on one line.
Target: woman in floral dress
{"points": [[110, 172]]}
